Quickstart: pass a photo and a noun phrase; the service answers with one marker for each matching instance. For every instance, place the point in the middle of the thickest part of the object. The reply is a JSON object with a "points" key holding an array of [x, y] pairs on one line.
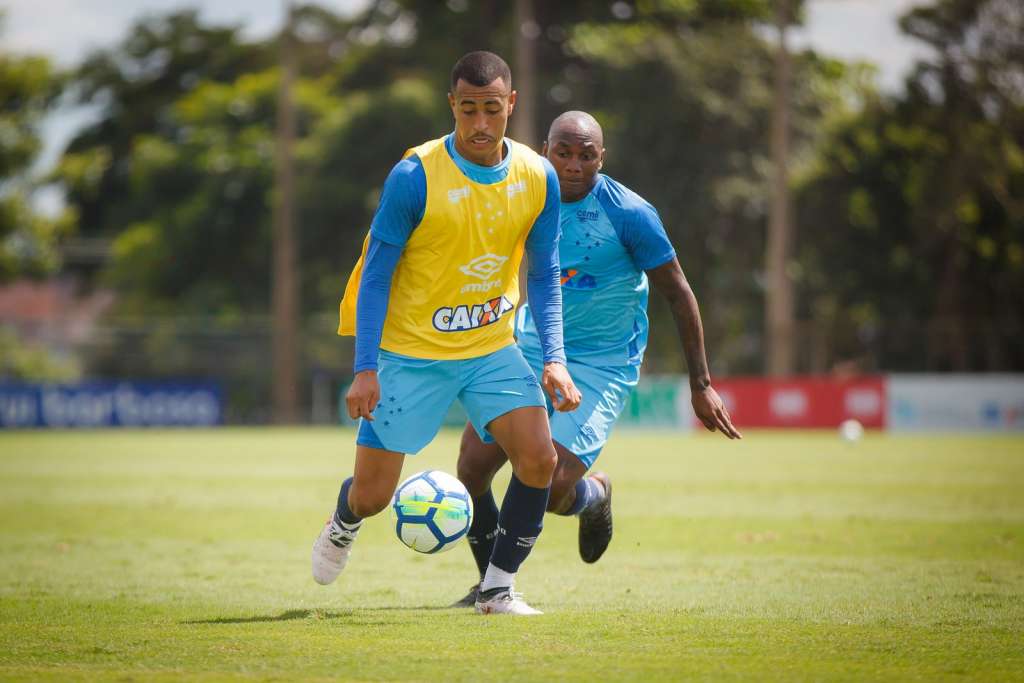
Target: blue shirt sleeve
{"points": [[638, 225], [543, 285], [645, 239], [372, 305], [402, 202]]}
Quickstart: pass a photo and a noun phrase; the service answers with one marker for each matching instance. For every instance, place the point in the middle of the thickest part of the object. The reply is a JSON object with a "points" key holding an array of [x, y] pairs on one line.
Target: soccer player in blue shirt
{"points": [[612, 243]]}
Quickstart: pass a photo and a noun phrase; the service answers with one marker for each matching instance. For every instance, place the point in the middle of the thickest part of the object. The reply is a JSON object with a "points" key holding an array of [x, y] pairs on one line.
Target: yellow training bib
{"points": [[456, 284]]}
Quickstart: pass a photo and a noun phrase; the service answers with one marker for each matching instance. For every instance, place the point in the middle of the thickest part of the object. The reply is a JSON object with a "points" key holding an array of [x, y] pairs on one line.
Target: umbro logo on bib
{"points": [[484, 266], [516, 188]]}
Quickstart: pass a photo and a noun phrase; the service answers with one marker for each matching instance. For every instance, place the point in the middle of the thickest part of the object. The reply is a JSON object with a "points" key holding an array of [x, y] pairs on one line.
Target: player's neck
{"points": [[573, 197]]}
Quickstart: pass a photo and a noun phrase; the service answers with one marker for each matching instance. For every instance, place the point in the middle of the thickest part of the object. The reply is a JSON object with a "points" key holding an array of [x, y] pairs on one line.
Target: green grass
{"points": [[171, 555]]}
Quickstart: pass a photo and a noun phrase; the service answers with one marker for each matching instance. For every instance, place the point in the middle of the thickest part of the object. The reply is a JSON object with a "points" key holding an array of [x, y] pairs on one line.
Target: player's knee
{"points": [[368, 502], [537, 465]]}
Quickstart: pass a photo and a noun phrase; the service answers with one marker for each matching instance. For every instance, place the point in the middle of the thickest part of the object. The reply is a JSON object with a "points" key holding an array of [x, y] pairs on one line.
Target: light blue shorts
{"points": [[585, 431], [416, 393]]}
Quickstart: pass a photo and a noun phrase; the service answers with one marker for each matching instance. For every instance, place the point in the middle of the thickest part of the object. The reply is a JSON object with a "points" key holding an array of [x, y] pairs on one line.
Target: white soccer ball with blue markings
{"points": [[432, 511]]}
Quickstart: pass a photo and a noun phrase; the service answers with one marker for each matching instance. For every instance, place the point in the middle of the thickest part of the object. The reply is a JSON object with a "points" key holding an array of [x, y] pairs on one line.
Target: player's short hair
{"points": [[481, 68]]}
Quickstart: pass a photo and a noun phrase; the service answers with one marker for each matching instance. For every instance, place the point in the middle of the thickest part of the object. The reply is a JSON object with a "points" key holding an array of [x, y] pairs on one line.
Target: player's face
{"points": [[577, 156], [481, 116]]}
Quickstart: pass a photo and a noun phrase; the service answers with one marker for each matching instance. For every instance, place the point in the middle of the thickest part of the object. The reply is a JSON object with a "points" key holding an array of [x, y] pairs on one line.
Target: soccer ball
{"points": [[851, 430], [432, 511]]}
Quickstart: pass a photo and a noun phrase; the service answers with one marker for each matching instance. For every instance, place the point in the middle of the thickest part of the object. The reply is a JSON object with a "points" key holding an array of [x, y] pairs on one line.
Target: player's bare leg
{"points": [[364, 494], [573, 492], [374, 480], [524, 436], [568, 472]]}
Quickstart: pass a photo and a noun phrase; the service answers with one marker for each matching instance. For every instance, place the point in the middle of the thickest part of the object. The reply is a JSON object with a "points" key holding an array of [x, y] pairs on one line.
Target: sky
{"points": [[66, 30]]}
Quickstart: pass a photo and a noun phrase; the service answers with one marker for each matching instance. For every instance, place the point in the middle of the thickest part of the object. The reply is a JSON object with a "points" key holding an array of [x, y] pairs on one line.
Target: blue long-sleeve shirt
{"points": [[401, 209]]}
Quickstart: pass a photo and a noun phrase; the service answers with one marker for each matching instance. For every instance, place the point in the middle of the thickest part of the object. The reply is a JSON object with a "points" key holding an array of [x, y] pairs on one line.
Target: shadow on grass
{"points": [[294, 614]]}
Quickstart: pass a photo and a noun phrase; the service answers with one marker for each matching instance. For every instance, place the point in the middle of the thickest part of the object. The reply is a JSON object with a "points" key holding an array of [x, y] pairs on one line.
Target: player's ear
{"points": [[544, 149], [600, 160], [511, 101], [451, 101]]}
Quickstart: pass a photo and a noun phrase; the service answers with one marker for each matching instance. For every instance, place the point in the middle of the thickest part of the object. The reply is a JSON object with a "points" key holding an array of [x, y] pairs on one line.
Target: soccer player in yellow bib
{"points": [[431, 304]]}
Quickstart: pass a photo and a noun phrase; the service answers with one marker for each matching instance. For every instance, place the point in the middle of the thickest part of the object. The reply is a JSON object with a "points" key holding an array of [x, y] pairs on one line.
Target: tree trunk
{"points": [[524, 75], [285, 278], [778, 285]]}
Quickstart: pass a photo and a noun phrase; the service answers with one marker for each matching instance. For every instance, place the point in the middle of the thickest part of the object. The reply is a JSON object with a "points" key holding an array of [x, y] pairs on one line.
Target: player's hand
{"points": [[363, 395], [560, 388], [710, 410]]}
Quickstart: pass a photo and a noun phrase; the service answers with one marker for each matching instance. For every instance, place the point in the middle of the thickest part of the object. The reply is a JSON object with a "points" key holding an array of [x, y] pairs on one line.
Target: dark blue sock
{"points": [[342, 513], [587, 491], [483, 530], [519, 523]]}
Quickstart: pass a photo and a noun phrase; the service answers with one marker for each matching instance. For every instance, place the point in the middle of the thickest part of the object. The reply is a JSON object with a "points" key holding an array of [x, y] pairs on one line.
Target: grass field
{"points": [[185, 555]]}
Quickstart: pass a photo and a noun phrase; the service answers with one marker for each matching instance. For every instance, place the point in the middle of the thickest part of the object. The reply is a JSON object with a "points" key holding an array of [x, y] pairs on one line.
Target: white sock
{"points": [[496, 578]]}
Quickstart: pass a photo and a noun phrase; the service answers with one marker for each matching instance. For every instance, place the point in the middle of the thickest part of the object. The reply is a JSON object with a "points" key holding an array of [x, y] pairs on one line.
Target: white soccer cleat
{"points": [[331, 551], [503, 601]]}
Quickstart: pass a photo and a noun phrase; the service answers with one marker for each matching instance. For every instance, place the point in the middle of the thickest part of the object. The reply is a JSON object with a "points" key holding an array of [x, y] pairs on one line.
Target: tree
{"points": [[28, 241], [685, 97], [135, 84], [922, 265]]}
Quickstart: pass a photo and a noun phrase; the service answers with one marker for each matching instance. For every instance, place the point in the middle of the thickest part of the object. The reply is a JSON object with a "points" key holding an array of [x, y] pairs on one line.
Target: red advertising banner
{"points": [[818, 402]]}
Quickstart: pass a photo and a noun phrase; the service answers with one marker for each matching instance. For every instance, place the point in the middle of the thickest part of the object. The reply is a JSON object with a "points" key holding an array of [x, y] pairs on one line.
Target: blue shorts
{"points": [[585, 431], [416, 393]]}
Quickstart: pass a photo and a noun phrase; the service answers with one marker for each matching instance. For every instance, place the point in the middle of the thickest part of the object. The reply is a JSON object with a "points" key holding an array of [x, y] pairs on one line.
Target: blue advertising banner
{"points": [[111, 404]]}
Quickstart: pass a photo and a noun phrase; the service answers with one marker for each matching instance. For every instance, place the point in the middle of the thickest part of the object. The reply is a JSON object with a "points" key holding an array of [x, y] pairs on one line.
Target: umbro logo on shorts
{"points": [[464, 317]]}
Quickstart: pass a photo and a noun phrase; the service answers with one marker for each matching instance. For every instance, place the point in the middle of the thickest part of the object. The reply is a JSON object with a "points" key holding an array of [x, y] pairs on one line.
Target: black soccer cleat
{"points": [[596, 523], [470, 599]]}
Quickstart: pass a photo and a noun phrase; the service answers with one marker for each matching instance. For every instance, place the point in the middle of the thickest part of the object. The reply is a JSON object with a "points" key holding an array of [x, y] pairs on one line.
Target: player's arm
{"points": [[644, 236], [544, 291], [669, 280], [401, 207]]}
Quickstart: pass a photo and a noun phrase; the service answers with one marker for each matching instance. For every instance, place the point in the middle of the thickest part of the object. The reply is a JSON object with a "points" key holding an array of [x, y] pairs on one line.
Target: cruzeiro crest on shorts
{"points": [[470, 317]]}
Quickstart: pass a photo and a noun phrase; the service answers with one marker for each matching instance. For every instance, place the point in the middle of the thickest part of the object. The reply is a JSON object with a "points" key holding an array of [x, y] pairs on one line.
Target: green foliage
{"points": [[688, 127], [173, 555], [136, 85], [928, 180], [28, 240], [909, 217], [20, 360], [27, 88]]}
